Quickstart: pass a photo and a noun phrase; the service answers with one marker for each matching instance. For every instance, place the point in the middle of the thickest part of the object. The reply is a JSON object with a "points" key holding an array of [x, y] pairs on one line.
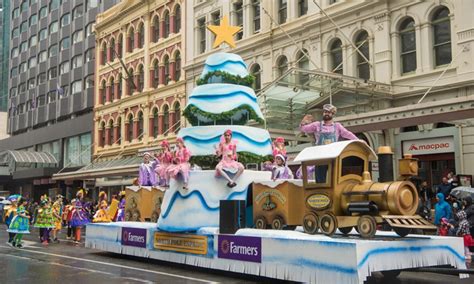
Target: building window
{"points": [[23, 67], [215, 20], [41, 78], [53, 27], [156, 74], [41, 100], [33, 19], [51, 96], [156, 29], [53, 50], [256, 15], [141, 78], [256, 71], [43, 34], [111, 133], [63, 91], [65, 20], [32, 62], [177, 117], [302, 7], [166, 31], [177, 66], [102, 134], [303, 64], [43, 12], [91, 4], [65, 43], [77, 37], [76, 87], [24, 6], [130, 128], [239, 19], [112, 49], [33, 40], [336, 57], [119, 46], [13, 92], [64, 67], [90, 55], [15, 32], [155, 121], [89, 29], [332, 2], [15, 52], [54, 4], [177, 19], [130, 85], [140, 126], [141, 36], [42, 56], [77, 61], [77, 12], [103, 54], [442, 37], [31, 83], [166, 62], [22, 88], [23, 27], [282, 66], [408, 45], [166, 119], [363, 68], [77, 150], [119, 82], [131, 40], [112, 88], [16, 13], [52, 73], [89, 82], [201, 23], [282, 11]]}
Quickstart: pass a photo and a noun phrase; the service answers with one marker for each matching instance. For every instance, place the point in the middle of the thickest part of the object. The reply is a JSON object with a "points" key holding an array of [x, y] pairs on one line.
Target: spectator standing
{"points": [[426, 194], [442, 209], [445, 187]]}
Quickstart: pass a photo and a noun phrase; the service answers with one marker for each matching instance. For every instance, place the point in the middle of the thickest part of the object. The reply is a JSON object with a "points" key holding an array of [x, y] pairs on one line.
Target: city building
{"points": [[400, 72], [51, 92], [4, 53], [139, 87]]}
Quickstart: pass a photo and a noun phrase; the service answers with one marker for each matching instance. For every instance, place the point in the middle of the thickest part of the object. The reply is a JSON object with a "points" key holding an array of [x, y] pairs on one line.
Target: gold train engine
{"points": [[337, 192]]}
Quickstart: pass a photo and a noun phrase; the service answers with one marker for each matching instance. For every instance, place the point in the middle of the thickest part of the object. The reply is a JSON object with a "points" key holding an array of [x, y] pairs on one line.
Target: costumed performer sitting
{"points": [[278, 148], [78, 216], [101, 216], [20, 224], [281, 170], [180, 164], [227, 149], [165, 158], [121, 207], [146, 172]]}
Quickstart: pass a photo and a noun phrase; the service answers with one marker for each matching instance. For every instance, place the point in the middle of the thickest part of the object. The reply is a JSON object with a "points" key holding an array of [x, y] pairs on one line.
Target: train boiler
{"points": [[337, 192]]}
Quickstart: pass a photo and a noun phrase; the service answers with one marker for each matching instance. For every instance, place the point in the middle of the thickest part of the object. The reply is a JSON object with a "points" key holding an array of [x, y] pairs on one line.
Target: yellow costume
{"points": [[57, 211], [101, 216]]}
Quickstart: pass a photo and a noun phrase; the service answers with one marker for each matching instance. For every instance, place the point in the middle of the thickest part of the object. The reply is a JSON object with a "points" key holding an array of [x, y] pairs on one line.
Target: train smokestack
{"points": [[385, 155]]}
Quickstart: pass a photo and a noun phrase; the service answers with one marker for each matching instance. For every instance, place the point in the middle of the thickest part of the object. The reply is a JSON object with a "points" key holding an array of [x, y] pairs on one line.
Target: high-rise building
{"points": [[51, 90], [4, 53]]}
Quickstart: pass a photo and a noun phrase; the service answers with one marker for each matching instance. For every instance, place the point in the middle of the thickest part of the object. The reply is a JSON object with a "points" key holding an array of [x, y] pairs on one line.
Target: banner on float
{"points": [[193, 244], [134, 237], [240, 248]]}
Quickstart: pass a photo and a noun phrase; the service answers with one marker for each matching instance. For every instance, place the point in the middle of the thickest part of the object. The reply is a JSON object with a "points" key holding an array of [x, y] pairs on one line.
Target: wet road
{"points": [[67, 263]]}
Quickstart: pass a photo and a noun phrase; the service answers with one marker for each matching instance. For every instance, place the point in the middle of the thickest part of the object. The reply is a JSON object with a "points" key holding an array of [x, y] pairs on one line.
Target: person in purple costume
{"points": [[79, 216], [281, 170], [121, 207], [146, 173]]}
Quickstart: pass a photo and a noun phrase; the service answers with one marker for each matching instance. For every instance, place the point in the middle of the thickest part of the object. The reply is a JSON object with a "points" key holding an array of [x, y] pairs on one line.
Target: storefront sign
{"points": [[134, 237], [429, 146], [240, 248], [194, 244]]}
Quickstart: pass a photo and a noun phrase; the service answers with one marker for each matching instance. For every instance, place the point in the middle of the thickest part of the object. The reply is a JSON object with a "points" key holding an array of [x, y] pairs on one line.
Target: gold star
{"points": [[224, 33]]}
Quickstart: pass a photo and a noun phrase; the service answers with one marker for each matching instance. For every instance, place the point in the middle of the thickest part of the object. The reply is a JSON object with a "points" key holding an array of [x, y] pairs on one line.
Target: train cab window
{"points": [[318, 174], [352, 165]]}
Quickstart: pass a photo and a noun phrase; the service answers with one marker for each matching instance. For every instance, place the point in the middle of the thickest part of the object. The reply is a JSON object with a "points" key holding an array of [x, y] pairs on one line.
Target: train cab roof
{"points": [[333, 150]]}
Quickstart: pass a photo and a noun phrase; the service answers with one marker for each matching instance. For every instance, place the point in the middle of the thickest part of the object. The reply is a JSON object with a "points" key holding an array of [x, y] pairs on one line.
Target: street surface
{"points": [[67, 263]]}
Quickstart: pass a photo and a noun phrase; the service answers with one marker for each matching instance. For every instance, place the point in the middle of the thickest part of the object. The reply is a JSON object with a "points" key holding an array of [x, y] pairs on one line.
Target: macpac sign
{"points": [[429, 146], [240, 248], [134, 237]]}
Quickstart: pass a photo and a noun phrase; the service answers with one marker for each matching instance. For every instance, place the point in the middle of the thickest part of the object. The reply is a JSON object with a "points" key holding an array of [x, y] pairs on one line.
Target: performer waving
{"points": [[165, 159], [146, 172], [180, 164], [227, 149]]}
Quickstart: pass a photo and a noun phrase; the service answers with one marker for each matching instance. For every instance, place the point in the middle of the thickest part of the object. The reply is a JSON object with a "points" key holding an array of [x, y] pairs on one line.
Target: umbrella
{"points": [[461, 192], [14, 197]]}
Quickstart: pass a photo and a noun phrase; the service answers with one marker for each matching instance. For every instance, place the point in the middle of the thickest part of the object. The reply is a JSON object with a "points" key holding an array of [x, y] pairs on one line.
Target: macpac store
{"points": [[437, 151]]}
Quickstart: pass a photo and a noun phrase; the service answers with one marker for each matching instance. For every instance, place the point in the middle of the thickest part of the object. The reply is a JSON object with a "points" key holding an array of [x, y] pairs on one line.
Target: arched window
{"points": [[156, 29], [363, 68], [140, 126], [130, 128], [257, 73], [103, 54], [442, 36], [303, 63], [131, 40], [141, 36], [282, 66], [141, 78], [177, 66], [112, 49], [336, 57], [156, 74], [166, 119], [119, 46], [111, 132], [166, 32], [177, 19], [155, 121], [408, 45], [112, 88], [102, 134], [177, 117], [166, 62], [119, 131], [129, 82], [103, 95], [119, 89]]}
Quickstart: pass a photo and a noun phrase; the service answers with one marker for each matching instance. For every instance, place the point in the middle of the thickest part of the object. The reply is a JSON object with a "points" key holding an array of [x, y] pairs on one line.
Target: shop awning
{"points": [[127, 166], [14, 159]]}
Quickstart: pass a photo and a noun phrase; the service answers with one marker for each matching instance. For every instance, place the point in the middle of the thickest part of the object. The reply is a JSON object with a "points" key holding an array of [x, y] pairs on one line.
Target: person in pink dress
{"points": [[165, 158], [279, 147], [180, 163], [227, 150]]}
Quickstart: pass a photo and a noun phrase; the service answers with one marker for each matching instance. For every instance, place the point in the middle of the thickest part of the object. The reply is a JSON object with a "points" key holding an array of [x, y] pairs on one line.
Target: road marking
{"points": [[115, 265]]}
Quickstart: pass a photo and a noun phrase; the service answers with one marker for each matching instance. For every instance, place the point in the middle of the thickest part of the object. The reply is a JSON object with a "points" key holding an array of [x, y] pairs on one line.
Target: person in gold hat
{"points": [[101, 216]]}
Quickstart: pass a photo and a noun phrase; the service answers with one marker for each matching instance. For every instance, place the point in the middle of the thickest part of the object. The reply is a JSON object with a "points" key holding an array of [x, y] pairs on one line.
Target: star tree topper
{"points": [[224, 33]]}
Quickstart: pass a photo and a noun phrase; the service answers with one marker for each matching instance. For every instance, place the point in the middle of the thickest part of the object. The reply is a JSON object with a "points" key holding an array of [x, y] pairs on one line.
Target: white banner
{"points": [[436, 145]]}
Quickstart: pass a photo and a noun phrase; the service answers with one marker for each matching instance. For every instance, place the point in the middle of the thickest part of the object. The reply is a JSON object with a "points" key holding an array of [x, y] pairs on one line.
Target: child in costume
{"points": [[9, 215], [180, 163], [278, 148], [281, 170], [45, 220], [20, 224], [57, 219], [78, 216], [146, 172], [121, 208], [68, 211], [102, 216], [165, 159], [227, 149]]}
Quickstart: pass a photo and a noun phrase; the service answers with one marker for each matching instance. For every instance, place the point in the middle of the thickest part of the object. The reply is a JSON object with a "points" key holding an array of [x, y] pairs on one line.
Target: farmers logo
{"points": [[225, 246], [134, 237], [240, 248], [413, 148]]}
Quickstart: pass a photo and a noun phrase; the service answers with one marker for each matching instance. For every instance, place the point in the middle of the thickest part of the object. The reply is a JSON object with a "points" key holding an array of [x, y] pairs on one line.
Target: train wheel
{"points": [[260, 222], [277, 223], [328, 224], [367, 226], [345, 230], [310, 223], [402, 232]]}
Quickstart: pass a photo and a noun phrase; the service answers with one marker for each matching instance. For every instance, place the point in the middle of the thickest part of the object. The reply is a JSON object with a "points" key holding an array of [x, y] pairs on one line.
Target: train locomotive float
{"points": [[337, 192]]}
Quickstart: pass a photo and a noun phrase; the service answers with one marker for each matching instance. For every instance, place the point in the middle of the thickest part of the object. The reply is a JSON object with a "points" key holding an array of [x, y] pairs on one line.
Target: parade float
{"points": [[346, 208]]}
